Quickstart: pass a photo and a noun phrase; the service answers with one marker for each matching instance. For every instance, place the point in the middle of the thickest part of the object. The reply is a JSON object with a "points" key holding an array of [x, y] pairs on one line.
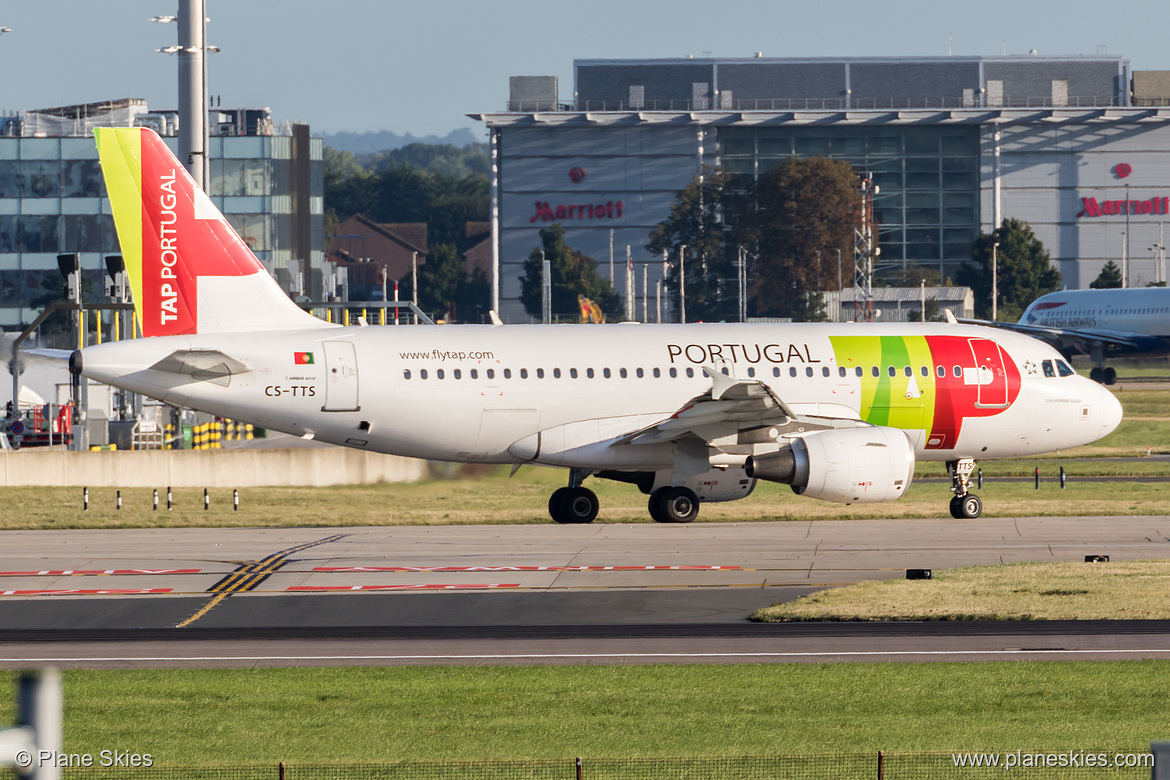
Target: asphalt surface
{"points": [[634, 593]]}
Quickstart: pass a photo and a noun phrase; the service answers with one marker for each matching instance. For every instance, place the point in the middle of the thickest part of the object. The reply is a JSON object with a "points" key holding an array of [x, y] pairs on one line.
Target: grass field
{"points": [[1130, 590], [524, 499], [475, 713]]}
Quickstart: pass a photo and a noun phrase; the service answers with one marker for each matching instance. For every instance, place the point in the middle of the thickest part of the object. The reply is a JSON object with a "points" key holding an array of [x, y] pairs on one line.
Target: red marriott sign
{"points": [[1091, 207], [546, 212]]}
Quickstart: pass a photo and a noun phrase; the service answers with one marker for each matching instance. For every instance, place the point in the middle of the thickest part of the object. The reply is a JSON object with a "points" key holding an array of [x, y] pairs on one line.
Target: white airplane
{"points": [[688, 413], [1133, 321]]}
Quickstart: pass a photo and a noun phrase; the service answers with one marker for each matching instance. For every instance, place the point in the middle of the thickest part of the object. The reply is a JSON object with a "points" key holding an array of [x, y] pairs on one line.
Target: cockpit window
{"points": [[1064, 368], [1049, 371]]}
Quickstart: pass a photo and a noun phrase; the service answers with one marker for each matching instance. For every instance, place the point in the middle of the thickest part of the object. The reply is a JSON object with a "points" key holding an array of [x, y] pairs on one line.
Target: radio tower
{"points": [[864, 250]]}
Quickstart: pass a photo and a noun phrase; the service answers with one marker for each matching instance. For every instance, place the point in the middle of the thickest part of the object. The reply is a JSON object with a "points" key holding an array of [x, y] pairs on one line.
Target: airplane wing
{"points": [[1070, 336], [731, 408], [203, 365]]}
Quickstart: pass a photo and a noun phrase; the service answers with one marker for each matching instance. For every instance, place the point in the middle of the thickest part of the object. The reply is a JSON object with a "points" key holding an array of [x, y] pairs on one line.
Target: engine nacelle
{"points": [[847, 466]]}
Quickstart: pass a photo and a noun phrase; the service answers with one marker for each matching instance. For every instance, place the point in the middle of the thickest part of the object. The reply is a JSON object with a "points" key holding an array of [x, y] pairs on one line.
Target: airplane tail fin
{"points": [[189, 271]]}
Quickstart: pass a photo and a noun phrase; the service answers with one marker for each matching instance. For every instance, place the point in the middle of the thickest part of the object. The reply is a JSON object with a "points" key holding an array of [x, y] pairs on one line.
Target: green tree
{"points": [[799, 215], [696, 221], [1023, 268], [1108, 279], [572, 274], [445, 289]]}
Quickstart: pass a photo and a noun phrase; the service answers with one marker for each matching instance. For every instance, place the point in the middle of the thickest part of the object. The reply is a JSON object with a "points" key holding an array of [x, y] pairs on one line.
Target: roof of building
{"points": [[906, 294], [412, 235]]}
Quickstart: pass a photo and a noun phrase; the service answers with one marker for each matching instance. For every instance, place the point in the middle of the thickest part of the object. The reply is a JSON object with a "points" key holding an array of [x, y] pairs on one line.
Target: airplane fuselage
{"points": [[481, 393]]}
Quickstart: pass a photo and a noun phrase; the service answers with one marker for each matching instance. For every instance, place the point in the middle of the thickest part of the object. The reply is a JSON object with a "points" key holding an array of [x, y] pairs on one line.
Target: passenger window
{"points": [[775, 371], [623, 373], [491, 373], [1064, 368], [958, 371], [824, 370], [589, 373], [540, 373], [406, 374], [507, 373], [474, 373], [439, 374], [875, 371], [908, 371], [925, 371], [840, 370], [792, 371], [657, 373], [423, 373], [891, 371], [751, 372], [640, 373], [1049, 371], [858, 371], [605, 372], [457, 374], [556, 373], [690, 372], [573, 373], [673, 373], [941, 371], [524, 373]]}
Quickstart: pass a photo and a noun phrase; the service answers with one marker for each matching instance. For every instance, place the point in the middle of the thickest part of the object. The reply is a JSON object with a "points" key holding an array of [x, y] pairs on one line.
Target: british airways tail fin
{"points": [[189, 271]]}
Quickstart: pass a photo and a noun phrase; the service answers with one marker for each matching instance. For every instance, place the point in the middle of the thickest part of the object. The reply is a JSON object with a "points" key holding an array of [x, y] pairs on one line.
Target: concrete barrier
{"points": [[310, 467]]}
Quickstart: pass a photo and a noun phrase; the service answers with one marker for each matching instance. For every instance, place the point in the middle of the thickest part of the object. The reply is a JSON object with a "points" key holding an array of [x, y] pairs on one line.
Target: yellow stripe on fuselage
{"points": [[120, 151]]}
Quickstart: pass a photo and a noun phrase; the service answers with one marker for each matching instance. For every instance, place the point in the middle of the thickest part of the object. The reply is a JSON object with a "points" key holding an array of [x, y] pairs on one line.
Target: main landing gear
{"points": [[577, 504], [1106, 376], [965, 505]]}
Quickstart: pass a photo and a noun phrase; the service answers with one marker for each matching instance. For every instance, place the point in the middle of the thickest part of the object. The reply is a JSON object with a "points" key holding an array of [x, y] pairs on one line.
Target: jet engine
{"points": [[847, 466]]}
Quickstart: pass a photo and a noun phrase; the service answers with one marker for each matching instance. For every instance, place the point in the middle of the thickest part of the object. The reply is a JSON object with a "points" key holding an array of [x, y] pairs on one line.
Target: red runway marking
{"points": [[521, 568], [402, 587], [85, 592], [87, 572]]}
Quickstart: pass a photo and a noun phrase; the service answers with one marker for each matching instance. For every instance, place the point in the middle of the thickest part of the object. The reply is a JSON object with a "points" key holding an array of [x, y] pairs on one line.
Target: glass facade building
{"points": [[53, 200], [927, 204]]}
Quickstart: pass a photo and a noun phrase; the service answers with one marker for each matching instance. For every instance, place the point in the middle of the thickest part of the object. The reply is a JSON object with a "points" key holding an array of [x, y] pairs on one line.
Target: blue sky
{"points": [[419, 67]]}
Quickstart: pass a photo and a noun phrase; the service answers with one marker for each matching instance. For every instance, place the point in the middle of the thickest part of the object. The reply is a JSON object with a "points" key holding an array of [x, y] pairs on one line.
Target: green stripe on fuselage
{"points": [[887, 400]]}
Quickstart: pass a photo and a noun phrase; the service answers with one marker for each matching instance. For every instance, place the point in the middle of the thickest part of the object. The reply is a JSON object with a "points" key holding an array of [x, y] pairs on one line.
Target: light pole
{"points": [[994, 279], [682, 284], [192, 50]]}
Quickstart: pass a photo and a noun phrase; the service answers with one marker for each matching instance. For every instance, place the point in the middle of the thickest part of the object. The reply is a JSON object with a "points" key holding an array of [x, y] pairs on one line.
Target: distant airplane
{"points": [[1133, 322], [688, 413]]}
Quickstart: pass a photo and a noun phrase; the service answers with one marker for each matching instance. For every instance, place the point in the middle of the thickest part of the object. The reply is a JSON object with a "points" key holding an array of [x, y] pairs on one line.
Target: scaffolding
{"points": [[864, 251]]}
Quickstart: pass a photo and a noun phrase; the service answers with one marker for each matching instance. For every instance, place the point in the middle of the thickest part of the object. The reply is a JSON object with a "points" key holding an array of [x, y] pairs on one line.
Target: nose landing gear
{"points": [[965, 505]]}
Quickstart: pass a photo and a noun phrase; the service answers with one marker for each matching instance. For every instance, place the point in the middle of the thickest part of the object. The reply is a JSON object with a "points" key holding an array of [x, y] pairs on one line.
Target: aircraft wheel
{"points": [[578, 505], [677, 505], [655, 504], [1110, 375], [554, 504], [1096, 374], [966, 507]]}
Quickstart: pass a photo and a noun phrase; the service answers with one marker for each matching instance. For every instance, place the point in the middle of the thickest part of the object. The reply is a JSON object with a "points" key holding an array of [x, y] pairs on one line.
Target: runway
{"points": [[621, 593]]}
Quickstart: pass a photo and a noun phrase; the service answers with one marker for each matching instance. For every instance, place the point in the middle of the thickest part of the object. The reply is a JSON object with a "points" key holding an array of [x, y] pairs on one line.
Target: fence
{"points": [[1020, 765]]}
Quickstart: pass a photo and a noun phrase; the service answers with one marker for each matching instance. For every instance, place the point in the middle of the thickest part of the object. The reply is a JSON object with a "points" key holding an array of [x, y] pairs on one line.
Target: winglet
{"points": [[495, 318], [950, 317]]}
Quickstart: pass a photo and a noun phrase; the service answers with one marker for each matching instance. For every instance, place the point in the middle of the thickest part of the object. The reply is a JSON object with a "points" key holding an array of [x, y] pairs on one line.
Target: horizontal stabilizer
{"points": [[204, 365]]}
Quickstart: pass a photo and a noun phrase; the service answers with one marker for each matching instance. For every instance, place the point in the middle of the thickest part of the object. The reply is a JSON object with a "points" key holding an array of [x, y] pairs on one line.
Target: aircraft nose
{"points": [[1111, 407]]}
